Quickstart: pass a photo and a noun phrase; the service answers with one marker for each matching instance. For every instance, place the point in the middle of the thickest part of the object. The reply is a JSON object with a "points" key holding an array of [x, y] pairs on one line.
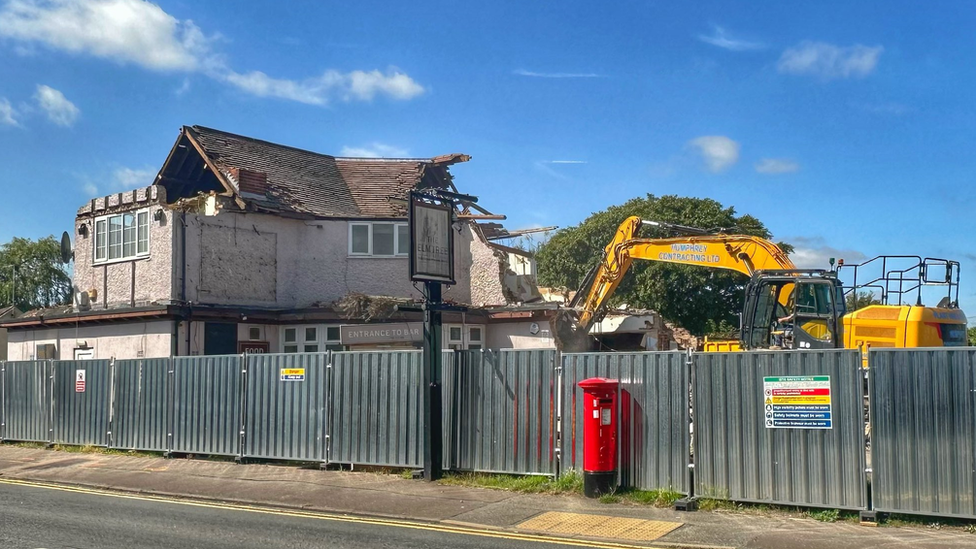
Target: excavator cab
{"points": [[793, 309]]}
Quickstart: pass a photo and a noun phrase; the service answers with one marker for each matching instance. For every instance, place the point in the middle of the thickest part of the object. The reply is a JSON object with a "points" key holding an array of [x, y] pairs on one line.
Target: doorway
{"points": [[219, 338]]}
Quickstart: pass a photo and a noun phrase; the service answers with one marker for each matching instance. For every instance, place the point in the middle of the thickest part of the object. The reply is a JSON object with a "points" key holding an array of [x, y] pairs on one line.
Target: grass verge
{"points": [[570, 483]]}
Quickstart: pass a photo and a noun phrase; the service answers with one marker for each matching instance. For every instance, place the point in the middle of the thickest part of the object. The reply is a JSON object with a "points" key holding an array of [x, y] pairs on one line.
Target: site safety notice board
{"points": [[797, 402]]}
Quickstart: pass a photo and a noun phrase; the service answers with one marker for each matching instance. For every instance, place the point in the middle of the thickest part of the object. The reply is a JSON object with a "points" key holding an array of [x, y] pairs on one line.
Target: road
{"points": [[33, 517]]}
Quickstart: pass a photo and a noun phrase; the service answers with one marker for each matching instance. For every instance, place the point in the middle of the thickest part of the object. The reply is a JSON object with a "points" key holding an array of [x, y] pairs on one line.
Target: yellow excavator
{"points": [[784, 307]]}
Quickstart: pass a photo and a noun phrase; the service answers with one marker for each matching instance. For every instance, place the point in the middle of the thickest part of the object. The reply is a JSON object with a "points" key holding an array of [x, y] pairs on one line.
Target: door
{"points": [[219, 338]]}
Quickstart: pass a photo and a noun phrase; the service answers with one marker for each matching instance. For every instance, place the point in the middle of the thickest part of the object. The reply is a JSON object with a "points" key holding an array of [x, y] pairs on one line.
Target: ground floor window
{"points": [[310, 338], [459, 337]]}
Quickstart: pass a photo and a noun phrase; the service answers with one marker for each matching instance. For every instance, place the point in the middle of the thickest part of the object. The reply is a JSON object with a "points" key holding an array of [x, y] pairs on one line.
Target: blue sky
{"points": [[846, 128]]}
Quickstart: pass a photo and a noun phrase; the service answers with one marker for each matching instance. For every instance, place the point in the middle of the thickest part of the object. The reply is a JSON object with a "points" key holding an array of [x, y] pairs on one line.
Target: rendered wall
{"points": [[263, 260], [122, 341], [517, 335]]}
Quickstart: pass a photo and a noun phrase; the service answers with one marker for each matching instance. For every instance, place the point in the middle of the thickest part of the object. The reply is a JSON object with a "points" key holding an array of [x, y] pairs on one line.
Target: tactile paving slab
{"points": [[598, 526]]}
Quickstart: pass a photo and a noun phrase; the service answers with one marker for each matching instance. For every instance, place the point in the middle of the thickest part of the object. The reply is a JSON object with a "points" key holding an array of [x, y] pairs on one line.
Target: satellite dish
{"points": [[66, 254]]}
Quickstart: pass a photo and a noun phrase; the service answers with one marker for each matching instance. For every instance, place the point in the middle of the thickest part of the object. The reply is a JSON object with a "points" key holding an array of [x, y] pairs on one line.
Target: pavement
{"points": [[391, 496]]}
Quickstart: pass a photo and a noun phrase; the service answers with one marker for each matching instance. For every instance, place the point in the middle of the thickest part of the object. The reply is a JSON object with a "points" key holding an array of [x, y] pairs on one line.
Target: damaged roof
{"points": [[278, 178]]}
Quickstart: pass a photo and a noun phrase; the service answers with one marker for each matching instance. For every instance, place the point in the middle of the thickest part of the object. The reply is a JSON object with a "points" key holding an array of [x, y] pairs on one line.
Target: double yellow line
{"points": [[432, 527]]}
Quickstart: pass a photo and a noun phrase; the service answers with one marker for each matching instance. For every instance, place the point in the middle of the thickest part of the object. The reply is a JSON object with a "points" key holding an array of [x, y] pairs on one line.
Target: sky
{"points": [[847, 128]]}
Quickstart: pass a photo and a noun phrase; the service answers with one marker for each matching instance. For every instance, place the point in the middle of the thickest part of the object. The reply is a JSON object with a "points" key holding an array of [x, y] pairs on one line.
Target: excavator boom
{"points": [[741, 253]]}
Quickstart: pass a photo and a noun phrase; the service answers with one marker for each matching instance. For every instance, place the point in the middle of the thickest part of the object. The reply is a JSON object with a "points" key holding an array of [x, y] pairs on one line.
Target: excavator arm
{"points": [[741, 253]]}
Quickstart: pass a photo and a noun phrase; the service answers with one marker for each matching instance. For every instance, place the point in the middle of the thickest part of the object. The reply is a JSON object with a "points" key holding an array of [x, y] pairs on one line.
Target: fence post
{"points": [[51, 393], [557, 452], [3, 400], [111, 402], [170, 405], [693, 447], [242, 394], [329, 405]]}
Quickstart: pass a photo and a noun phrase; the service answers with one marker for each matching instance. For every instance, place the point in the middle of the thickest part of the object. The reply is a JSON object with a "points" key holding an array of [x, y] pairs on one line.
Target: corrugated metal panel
{"points": [[654, 438], [82, 418], [449, 390], [923, 431], [207, 395], [286, 419], [27, 400], [505, 411], [142, 404], [377, 411], [738, 458]]}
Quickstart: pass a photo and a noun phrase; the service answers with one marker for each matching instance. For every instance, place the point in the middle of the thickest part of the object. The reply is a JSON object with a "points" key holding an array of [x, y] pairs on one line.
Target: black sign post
{"points": [[432, 262]]}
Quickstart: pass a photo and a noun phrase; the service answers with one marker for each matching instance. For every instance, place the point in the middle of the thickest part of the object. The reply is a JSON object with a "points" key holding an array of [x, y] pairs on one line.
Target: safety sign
{"points": [[797, 402], [293, 374], [79, 381]]}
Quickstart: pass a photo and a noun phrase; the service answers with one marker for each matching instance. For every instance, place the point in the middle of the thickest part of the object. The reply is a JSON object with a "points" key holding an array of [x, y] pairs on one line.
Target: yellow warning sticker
{"points": [[293, 374], [801, 399]]}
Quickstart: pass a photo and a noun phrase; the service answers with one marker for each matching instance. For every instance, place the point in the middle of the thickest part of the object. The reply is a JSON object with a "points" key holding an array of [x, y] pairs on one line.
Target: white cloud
{"points": [[722, 40], [523, 72], [814, 253], [127, 31], [567, 162], [828, 61], [375, 150], [890, 108], [128, 178], [355, 85], [90, 189], [718, 152], [141, 33], [185, 87], [59, 110], [546, 168], [776, 165], [7, 113]]}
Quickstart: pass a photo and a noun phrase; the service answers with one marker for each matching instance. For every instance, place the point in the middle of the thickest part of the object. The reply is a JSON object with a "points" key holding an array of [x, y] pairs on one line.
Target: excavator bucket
{"points": [[567, 333]]}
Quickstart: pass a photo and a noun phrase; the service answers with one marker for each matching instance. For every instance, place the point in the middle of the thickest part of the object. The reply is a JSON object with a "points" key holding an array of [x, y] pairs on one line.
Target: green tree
{"points": [[31, 273], [971, 336], [698, 299], [859, 300]]}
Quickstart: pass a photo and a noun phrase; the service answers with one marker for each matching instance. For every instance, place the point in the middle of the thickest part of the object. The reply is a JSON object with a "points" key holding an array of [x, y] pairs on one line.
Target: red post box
{"points": [[599, 436]]}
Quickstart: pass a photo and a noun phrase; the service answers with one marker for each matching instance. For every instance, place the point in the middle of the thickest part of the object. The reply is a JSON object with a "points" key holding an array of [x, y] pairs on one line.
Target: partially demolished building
{"points": [[244, 245]]}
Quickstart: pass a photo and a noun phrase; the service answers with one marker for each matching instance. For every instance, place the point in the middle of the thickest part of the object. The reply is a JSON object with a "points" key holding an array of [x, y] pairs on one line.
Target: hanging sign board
{"points": [[797, 402], [79, 381], [431, 241]]}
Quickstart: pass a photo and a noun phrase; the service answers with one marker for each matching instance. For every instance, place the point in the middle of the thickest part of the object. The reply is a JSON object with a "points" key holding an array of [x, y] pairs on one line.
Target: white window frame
{"points": [[106, 222], [321, 341], [397, 227], [456, 344], [472, 343]]}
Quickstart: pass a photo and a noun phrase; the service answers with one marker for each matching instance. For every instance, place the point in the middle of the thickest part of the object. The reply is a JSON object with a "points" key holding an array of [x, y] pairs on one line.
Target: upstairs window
{"points": [[122, 236], [379, 239]]}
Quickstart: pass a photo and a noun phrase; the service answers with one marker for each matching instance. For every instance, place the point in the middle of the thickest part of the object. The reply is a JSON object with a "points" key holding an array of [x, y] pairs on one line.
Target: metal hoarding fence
{"points": [[27, 400], [504, 411], [923, 431], [754, 441], [377, 411], [654, 429], [82, 402], [449, 361], [286, 407], [207, 411], [142, 401]]}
